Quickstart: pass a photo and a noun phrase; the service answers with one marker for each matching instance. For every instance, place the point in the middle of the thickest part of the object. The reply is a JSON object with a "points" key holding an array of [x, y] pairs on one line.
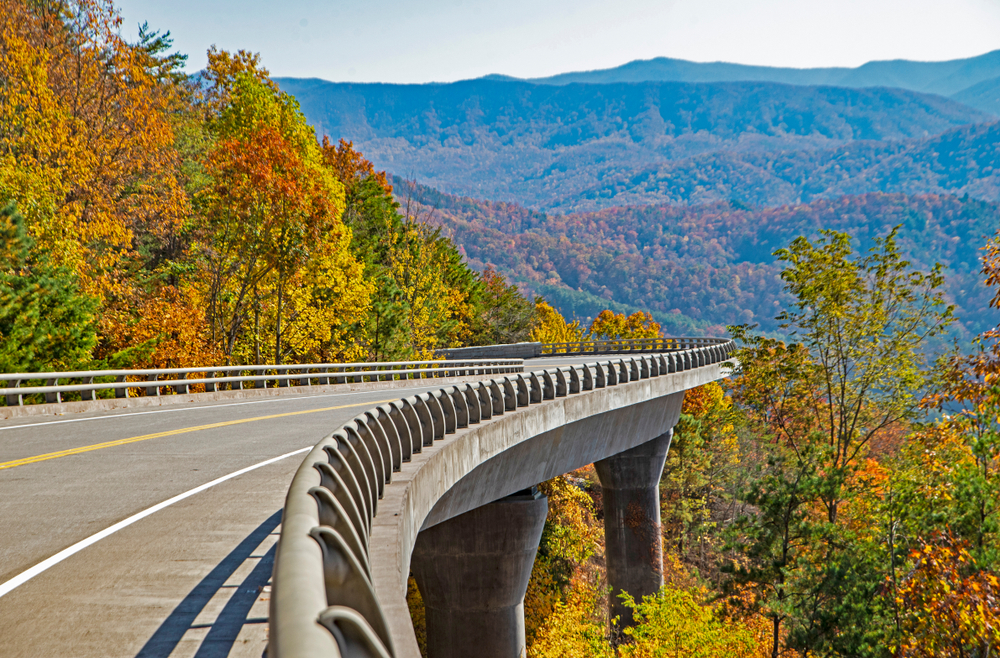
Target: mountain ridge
{"points": [[534, 143], [947, 78], [965, 160]]}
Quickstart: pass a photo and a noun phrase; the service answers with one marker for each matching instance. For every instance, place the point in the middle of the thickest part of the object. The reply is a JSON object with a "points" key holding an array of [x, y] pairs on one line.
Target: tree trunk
{"points": [[256, 325], [277, 330]]}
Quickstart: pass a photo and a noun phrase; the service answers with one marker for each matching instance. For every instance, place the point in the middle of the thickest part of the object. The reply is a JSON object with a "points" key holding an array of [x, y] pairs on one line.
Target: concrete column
{"points": [[633, 542], [473, 571]]}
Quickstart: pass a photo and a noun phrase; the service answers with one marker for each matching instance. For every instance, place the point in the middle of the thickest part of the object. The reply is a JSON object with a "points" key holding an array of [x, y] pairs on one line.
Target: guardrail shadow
{"points": [[224, 630]]}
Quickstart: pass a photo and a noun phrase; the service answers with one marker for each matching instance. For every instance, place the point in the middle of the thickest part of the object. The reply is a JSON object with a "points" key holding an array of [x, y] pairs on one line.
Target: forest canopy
{"points": [[160, 219]]}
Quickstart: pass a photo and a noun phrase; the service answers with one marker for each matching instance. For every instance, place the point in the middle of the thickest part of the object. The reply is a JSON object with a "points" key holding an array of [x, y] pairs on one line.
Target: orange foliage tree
{"points": [[952, 608], [350, 167], [272, 207]]}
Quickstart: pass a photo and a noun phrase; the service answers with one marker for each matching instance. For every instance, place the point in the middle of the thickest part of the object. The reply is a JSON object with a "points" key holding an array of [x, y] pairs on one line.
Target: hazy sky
{"points": [[444, 40]]}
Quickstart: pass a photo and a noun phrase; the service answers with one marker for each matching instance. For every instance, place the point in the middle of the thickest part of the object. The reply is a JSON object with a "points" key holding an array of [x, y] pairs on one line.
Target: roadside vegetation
{"points": [[156, 219]]}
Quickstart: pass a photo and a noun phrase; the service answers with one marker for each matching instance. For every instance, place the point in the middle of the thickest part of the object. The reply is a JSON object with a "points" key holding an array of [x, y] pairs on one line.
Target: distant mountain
{"points": [[984, 96], [950, 78], [962, 161], [699, 268], [536, 144]]}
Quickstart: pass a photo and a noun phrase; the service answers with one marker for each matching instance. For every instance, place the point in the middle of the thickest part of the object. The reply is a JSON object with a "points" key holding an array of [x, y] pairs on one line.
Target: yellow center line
{"points": [[183, 430]]}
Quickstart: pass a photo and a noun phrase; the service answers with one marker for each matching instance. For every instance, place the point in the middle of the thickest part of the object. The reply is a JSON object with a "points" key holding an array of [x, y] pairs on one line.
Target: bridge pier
{"points": [[630, 482], [473, 570]]}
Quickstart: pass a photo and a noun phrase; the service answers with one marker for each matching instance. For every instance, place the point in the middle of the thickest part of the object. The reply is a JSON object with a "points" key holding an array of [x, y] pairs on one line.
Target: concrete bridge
{"points": [[151, 530]]}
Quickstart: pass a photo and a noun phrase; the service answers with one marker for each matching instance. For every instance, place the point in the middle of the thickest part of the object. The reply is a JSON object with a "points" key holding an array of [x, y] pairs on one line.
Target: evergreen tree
{"points": [[46, 323]]}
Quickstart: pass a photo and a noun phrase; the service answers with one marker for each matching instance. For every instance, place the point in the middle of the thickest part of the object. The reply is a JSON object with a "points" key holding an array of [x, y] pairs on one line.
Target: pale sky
{"points": [[446, 40]]}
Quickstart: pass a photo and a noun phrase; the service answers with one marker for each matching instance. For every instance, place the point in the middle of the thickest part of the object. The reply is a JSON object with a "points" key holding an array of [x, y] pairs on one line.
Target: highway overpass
{"points": [[151, 530]]}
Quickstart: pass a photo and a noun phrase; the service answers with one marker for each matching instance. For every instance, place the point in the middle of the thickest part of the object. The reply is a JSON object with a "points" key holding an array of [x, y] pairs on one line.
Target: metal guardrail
{"points": [[323, 603], [127, 383], [620, 346]]}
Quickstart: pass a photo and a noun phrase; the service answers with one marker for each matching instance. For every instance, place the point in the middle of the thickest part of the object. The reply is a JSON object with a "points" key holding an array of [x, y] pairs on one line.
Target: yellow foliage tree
{"points": [[572, 536], [679, 622], [617, 326], [86, 142], [576, 627], [428, 302], [551, 326]]}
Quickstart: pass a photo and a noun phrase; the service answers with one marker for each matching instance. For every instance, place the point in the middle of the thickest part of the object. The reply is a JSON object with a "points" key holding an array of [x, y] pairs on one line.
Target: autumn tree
{"points": [[711, 456], [951, 603], [89, 149], [858, 371], [87, 144], [617, 326], [272, 207], [352, 169], [945, 500], [551, 326], [505, 315]]}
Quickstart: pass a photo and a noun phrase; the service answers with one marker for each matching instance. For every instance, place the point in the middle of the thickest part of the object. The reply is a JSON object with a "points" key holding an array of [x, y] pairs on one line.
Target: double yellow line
{"points": [[184, 430]]}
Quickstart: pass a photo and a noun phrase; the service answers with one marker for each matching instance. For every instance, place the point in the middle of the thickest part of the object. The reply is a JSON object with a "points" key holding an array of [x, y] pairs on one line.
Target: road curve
{"points": [[80, 575]]}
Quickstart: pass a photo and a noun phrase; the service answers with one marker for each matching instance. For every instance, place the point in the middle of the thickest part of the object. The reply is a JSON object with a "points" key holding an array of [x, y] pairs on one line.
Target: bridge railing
{"points": [[620, 346], [53, 386], [323, 601]]}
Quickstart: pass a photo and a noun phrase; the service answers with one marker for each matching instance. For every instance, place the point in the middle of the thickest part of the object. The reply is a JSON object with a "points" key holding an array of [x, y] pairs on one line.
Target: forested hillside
{"points": [[152, 219], [963, 161], [540, 144], [983, 96], [707, 266]]}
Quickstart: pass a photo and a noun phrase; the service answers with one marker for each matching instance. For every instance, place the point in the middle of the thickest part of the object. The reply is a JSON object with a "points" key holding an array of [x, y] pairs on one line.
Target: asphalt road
{"points": [[150, 532]]}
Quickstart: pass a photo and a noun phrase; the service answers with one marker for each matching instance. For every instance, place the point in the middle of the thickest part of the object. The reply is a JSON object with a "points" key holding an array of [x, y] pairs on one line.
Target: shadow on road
{"points": [[224, 630]]}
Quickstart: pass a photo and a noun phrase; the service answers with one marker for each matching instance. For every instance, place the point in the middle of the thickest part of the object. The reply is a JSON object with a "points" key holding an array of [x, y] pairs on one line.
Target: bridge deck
{"points": [[157, 587], [187, 580]]}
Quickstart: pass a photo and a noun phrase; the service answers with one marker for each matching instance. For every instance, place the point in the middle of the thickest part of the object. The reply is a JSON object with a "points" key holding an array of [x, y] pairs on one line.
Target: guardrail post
{"points": [[14, 399], [87, 396], [121, 392], [473, 571], [633, 539], [53, 397]]}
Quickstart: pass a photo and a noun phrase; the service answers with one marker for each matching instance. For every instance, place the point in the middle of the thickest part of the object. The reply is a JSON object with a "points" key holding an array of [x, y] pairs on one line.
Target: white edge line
{"points": [[44, 565]]}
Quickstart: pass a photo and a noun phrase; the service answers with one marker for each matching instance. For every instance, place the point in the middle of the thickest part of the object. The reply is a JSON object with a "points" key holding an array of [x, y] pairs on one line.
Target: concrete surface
{"points": [[483, 463], [473, 571], [189, 580], [630, 487]]}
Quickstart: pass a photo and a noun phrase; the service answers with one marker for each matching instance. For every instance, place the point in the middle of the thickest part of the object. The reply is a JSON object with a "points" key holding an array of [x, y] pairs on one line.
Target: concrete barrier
{"points": [[513, 351], [364, 493]]}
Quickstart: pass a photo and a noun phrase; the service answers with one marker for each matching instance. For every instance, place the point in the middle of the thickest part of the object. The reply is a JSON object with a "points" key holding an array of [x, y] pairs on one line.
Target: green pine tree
{"points": [[46, 322]]}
